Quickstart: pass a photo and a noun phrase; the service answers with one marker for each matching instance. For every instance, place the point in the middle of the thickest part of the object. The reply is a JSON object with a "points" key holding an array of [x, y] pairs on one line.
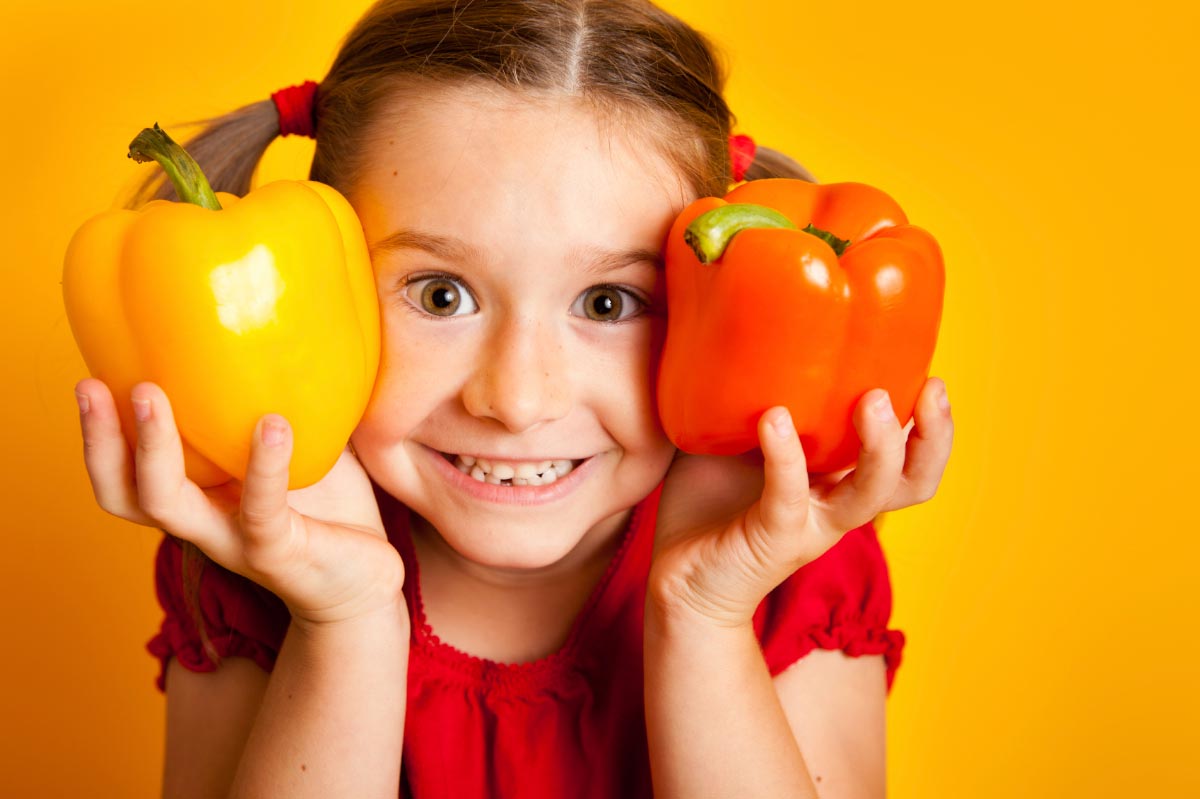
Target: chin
{"points": [[518, 545]]}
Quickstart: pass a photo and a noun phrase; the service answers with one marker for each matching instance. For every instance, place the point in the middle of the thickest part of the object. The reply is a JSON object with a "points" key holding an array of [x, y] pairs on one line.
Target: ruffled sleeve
{"points": [[840, 601], [241, 618]]}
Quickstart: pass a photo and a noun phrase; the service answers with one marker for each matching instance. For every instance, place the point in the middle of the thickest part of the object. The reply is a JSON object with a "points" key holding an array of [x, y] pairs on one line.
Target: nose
{"points": [[521, 377]]}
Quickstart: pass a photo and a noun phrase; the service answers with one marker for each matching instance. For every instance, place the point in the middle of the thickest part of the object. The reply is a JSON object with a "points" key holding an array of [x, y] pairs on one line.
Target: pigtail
{"points": [[770, 163], [228, 150], [191, 567]]}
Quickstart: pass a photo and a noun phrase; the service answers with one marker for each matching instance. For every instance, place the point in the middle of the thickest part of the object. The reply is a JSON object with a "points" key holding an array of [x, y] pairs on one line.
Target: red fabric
{"points": [[570, 724], [297, 109]]}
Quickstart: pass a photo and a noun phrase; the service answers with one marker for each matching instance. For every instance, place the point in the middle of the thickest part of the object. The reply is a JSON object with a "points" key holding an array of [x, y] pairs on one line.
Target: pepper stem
{"points": [[710, 233], [190, 183]]}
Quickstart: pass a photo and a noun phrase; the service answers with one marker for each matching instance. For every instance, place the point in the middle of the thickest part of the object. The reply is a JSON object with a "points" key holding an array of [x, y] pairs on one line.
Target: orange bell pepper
{"points": [[236, 307], [791, 293]]}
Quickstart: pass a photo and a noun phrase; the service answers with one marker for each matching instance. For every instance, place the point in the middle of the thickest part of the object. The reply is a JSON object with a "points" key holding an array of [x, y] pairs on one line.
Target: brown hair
{"points": [[633, 61]]}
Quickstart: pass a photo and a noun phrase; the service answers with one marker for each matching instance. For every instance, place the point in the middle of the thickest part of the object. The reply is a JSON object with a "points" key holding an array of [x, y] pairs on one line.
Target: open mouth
{"points": [[512, 473]]}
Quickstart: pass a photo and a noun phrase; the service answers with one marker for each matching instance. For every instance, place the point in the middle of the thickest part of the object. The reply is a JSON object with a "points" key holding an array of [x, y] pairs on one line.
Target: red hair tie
{"points": [[741, 155], [297, 109]]}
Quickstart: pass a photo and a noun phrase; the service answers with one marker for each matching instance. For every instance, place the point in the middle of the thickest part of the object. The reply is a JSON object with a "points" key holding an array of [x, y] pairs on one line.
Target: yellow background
{"points": [[1045, 591]]}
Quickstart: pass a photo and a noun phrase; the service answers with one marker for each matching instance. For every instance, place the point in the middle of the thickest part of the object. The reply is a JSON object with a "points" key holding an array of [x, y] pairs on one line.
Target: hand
{"points": [[731, 529], [320, 549]]}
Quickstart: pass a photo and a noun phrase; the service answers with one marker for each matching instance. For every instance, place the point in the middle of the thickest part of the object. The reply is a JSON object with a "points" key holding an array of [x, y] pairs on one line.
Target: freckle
{"points": [[394, 173], [391, 141], [303, 767], [818, 778]]}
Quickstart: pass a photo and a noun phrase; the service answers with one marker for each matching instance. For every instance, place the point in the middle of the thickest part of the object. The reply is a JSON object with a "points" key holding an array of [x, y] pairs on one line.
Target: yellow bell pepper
{"points": [[236, 308]]}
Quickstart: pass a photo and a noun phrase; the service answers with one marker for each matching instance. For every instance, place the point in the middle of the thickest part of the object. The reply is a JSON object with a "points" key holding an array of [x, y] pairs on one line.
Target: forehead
{"points": [[483, 158]]}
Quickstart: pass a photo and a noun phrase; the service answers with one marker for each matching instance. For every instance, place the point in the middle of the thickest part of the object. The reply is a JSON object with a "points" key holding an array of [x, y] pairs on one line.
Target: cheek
{"points": [[392, 418], [649, 359], [658, 339], [632, 403], [403, 392]]}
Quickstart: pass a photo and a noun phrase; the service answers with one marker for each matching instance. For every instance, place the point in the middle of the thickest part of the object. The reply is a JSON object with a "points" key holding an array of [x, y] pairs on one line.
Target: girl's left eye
{"points": [[608, 304]]}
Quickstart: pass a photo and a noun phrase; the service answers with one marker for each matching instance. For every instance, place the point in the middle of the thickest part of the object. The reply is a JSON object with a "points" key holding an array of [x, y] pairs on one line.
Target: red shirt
{"points": [[572, 723]]}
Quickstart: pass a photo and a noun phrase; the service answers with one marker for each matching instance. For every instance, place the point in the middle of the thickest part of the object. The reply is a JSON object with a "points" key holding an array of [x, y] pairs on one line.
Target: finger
{"points": [[265, 516], [783, 507], [864, 492], [928, 448], [158, 457], [106, 453]]}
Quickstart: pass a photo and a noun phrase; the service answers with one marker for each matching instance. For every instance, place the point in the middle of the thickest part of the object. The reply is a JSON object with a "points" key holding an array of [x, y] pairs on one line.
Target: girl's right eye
{"points": [[440, 295]]}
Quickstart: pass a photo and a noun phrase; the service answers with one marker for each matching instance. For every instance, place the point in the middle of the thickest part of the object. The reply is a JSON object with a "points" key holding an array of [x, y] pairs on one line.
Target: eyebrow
{"points": [[595, 260]]}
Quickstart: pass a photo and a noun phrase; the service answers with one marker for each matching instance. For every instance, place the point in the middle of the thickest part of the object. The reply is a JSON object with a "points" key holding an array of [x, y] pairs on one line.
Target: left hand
{"points": [[730, 529]]}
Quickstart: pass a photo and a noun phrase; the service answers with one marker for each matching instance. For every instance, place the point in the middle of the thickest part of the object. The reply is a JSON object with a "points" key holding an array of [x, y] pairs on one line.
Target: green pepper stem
{"points": [[710, 233], [181, 168]]}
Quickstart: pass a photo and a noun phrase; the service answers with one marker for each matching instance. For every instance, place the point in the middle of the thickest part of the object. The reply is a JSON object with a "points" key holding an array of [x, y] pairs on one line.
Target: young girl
{"points": [[511, 584]]}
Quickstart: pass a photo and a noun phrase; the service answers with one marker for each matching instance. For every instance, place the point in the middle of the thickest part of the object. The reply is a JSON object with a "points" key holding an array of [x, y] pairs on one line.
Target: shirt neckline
{"points": [[480, 669]]}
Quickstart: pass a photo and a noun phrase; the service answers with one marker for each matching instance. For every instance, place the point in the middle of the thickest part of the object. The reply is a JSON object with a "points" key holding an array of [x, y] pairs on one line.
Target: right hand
{"points": [[322, 549]]}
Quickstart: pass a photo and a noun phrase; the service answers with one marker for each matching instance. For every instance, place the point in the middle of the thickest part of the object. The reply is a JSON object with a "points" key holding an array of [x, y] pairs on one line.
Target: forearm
{"points": [[713, 719], [332, 718]]}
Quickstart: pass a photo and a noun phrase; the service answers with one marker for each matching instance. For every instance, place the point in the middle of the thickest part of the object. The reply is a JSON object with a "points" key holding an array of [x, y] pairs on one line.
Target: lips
{"points": [[511, 472]]}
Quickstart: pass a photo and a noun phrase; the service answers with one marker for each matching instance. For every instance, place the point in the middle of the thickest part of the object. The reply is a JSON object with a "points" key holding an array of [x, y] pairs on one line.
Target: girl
{"points": [[511, 584]]}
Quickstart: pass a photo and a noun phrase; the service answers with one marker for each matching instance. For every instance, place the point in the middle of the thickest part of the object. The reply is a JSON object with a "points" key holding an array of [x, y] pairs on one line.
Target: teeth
{"points": [[533, 474]]}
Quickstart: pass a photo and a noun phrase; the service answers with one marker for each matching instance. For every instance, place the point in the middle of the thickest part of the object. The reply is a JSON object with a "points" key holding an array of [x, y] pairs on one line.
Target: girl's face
{"points": [[516, 251]]}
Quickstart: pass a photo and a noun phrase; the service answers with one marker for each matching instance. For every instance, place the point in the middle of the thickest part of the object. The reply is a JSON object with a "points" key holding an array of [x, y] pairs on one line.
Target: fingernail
{"points": [[883, 407], [273, 433], [942, 400], [141, 409], [782, 424], [84, 403]]}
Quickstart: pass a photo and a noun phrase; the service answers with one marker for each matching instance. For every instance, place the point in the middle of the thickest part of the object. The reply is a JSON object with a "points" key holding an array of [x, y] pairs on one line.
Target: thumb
{"points": [[265, 516], [783, 508]]}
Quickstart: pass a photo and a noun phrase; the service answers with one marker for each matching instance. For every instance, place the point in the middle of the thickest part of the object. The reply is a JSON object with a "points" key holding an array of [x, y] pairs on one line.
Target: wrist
{"points": [[688, 620], [681, 604], [385, 610], [687, 638], [390, 620]]}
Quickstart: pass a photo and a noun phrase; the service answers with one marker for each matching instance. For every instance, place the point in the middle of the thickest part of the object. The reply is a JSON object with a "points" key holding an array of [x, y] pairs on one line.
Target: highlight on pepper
{"points": [[236, 306], [786, 292]]}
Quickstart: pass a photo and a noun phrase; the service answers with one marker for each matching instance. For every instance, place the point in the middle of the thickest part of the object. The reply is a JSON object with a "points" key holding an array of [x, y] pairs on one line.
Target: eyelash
{"points": [[643, 304]]}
